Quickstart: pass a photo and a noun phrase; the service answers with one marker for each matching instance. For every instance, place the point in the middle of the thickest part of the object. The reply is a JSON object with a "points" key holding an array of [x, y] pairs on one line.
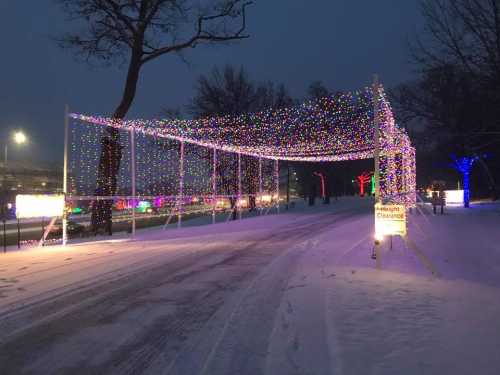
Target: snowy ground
{"points": [[291, 294]]}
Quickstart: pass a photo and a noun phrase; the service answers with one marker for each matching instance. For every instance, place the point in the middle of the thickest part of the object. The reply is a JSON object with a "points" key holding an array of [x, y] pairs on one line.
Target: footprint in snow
{"points": [[284, 322], [296, 343], [296, 286]]}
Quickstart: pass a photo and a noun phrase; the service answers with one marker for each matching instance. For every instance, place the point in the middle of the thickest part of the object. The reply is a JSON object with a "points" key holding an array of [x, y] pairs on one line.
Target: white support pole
{"points": [[214, 186], [260, 185], [376, 135], [412, 182], [180, 198], [376, 155], [391, 182], [277, 176], [238, 203], [65, 176], [404, 175], [132, 169]]}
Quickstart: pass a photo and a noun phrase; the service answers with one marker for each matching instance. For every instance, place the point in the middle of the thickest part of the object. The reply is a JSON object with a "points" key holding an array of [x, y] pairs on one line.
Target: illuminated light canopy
{"points": [[38, 206], [338, 127], [334, 128]]}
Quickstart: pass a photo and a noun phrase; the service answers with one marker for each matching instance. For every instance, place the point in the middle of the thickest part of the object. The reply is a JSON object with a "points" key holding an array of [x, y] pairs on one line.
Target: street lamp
{"points": [[19, 138]]}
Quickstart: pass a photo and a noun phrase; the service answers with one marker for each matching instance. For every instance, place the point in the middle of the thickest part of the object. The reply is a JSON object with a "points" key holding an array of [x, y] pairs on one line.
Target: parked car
{"points": [[74, 229]]}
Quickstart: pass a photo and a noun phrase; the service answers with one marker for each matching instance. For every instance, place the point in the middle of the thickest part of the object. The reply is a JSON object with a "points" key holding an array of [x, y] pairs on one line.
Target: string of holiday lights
{"points": [[333, 128], [339, 127]]}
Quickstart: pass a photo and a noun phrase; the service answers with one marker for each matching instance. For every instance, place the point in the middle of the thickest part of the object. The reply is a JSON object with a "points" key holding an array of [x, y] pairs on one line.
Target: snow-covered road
{"points": [[289, 294]]}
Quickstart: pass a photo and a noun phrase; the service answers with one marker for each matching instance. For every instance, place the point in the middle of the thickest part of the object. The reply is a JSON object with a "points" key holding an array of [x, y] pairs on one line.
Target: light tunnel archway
{"points": [[340, 127]]}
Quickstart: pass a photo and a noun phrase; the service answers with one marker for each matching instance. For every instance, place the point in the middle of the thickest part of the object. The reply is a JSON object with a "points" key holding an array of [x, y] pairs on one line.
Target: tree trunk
{"points": [[111, 153]]}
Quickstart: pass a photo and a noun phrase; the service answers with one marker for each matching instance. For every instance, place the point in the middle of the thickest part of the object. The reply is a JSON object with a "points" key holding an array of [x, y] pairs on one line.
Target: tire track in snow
{"points": [[192, 310], [275, 288]]}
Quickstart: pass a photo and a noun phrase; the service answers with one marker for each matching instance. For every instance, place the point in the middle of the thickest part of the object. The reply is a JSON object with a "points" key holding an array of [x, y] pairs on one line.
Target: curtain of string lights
{"points": [[231, 159]]}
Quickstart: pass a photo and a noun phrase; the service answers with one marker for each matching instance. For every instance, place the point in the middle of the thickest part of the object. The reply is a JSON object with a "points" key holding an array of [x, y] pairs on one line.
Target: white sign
{"points": [[454, 196], [34, 206], [450, 196], [390, 219]]}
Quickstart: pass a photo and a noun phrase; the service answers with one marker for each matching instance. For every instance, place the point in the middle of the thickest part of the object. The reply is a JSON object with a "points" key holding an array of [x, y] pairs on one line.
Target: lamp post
{"points": [[18, 138]]}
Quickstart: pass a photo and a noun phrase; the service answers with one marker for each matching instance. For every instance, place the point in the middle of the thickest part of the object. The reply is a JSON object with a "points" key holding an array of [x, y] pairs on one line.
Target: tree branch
{"points": [[203, 35]]}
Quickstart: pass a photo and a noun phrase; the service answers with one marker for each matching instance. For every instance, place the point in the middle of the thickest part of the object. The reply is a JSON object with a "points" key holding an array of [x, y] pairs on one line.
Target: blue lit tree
{"points": [[464, 166]]}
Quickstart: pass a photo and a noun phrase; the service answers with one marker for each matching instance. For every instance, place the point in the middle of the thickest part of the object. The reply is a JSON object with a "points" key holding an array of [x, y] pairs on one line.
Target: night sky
{"points": [[340, 42]]}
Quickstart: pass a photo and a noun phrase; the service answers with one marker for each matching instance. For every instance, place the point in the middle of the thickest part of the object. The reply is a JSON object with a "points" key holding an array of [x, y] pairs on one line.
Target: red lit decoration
{"points": [[363, 179], [322, 178]]}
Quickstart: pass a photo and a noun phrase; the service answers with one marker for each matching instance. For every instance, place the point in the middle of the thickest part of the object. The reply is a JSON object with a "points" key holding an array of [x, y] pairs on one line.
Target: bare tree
{"points": [[457, 97], [317, 90], [456, 112], [137, 32], [449, 102], [226, 92], [231, 92], [465, 33]]}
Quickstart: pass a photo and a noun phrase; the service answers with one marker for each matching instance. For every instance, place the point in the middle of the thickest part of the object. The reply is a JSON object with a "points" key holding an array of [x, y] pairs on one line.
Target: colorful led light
{"points": [[339, 127]]}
